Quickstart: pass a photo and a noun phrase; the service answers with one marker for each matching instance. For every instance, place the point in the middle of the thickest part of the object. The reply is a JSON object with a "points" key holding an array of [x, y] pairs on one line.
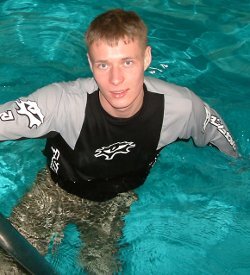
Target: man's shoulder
{"points": [[80, 85], [162, 87], [67, 89], [178, 99]]}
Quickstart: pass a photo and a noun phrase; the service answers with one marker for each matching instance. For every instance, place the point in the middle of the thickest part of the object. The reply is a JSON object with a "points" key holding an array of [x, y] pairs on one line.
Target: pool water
{"points": [[193, 212]]}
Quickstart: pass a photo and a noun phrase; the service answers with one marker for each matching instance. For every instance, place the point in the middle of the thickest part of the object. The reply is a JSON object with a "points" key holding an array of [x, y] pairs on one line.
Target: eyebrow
{"points": [[106, 60]]}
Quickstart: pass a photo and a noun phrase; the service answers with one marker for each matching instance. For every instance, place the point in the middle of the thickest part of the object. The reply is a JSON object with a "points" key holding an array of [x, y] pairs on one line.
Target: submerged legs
{"points": [[45, 211]]}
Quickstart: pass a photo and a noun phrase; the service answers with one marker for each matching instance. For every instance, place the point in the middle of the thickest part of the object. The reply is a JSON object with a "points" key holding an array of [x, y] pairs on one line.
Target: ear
{"points": [[90, 63], [147, 57]]}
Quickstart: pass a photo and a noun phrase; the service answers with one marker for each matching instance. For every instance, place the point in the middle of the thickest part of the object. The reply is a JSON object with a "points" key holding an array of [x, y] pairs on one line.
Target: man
{"points": [[104, 134]]}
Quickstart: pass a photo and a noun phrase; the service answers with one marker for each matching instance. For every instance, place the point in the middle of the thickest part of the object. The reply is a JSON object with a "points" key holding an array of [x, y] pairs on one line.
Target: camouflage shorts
{"points": [[46, 210]]}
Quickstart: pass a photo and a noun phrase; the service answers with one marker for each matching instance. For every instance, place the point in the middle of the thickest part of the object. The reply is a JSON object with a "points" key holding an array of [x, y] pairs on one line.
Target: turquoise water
{"points": [[193, 212]]}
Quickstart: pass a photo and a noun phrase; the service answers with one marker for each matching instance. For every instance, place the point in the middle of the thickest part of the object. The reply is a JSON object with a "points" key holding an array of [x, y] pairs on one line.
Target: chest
{"points": [[112, 145]]}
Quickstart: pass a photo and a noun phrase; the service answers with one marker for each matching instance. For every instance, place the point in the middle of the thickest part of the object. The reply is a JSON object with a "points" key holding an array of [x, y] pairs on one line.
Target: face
{"points": [[119, 73]]}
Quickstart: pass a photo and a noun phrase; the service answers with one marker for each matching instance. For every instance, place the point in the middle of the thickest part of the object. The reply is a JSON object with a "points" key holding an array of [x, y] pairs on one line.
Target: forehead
{"points": [[121, 48]]}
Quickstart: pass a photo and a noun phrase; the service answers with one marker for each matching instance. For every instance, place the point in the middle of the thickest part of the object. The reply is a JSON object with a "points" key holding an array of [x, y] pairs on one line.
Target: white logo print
{"points": [[116, 148], [54, 165], [32, 111], [6, 116], [220, 127]]}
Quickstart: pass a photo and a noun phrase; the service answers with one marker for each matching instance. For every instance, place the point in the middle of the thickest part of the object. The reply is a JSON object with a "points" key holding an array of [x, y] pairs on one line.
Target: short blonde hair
{"points": [[115, 25]]}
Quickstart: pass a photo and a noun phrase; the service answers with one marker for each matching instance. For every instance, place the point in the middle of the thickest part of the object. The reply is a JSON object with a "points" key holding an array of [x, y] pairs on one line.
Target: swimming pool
{"points": [[192, 216]]}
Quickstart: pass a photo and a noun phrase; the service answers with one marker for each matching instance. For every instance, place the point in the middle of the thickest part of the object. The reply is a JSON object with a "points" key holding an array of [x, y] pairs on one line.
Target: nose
{"points": [[116, 75]]}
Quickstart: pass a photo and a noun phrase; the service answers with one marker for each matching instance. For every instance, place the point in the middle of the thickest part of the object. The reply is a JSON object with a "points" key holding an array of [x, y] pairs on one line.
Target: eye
{"points": [[128, 63], [102, 66]]}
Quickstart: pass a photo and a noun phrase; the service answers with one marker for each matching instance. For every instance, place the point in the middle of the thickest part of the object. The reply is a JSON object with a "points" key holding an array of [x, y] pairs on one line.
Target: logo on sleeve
{"points": [[116, 148], [7, 116], [32, 111], [221, 128]]}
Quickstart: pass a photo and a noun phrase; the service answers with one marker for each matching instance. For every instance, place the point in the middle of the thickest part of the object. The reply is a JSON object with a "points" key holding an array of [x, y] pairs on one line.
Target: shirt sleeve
{"points": [[33, 116], [187, 116], [205, 126]]}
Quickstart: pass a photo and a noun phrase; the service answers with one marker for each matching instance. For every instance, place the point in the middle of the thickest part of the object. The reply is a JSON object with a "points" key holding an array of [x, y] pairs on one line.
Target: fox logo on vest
{"points": [[32, 111], [116, 148]]}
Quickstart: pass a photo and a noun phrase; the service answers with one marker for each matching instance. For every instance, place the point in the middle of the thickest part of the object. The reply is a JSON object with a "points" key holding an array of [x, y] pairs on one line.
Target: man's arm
{"points": [[206, 126], [187, 116], [58, 107], [30, 117]]}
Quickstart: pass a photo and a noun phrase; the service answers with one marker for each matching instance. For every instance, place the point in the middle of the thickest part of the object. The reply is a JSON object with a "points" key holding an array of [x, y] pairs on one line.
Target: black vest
{"points": [[112, 155]]}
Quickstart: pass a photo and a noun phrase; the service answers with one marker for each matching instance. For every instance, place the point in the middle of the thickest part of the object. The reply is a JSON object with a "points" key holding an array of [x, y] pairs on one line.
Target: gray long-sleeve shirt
{"points": [[60, 108], [95, 155]]}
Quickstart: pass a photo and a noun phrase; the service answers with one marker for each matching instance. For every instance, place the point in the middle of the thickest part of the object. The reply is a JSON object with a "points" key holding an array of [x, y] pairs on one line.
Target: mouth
{"points": [[119, 93]]}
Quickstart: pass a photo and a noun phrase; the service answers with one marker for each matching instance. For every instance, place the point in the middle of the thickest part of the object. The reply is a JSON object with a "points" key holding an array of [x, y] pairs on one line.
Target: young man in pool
{"points": [[104, 133]]}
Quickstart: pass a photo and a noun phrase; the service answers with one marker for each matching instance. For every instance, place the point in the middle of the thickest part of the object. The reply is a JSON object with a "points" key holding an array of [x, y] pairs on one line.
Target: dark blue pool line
{"points": [[21, 250]]}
